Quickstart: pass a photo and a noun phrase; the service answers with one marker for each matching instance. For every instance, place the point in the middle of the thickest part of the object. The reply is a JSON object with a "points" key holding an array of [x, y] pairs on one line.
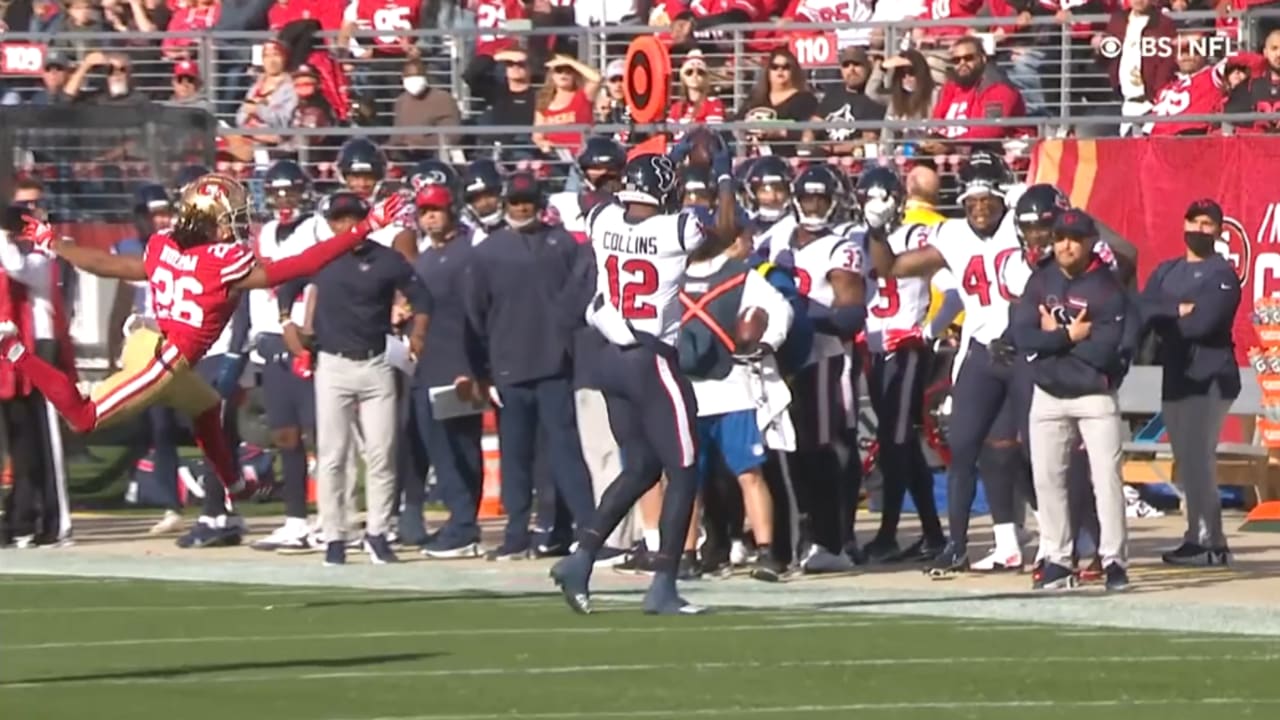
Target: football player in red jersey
{"points": [[1198, 89], [196, 271]]}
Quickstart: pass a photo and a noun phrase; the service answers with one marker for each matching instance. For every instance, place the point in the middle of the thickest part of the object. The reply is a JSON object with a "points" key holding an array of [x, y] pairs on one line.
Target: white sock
{"points": [[652, 539], [297, 526], [1007, 539]]}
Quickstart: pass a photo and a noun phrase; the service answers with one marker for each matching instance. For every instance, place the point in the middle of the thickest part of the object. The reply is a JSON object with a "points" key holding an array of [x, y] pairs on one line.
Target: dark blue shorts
{"points": [[736, 435], [290, 401]]}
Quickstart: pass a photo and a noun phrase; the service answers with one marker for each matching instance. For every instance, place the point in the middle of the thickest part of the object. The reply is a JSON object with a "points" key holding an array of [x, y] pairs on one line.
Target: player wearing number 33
{"points": [[196, 271], [629, 285], [975, 249], [829, 269]]}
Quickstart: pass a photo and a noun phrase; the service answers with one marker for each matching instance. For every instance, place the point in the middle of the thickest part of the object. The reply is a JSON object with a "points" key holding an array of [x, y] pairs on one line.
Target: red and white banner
{"points": [[1141, 187], [18, 58]]}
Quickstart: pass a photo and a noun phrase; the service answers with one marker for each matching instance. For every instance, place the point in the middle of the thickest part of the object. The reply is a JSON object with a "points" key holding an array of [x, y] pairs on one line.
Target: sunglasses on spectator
{"points": [[694, 72], [850, 63], [514, 63], [119, 70], [185, 80], [565, 69], [615, 79], [962, 59], [784, 67]]}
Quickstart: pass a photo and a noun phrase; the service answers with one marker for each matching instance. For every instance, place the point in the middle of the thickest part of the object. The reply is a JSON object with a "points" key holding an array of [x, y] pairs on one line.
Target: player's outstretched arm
{"points": [[101, 262], [270, 273], [921, 262]]}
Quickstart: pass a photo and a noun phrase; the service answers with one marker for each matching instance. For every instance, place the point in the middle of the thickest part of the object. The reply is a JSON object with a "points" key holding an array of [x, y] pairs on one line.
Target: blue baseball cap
{"points": [[1075, 223]]}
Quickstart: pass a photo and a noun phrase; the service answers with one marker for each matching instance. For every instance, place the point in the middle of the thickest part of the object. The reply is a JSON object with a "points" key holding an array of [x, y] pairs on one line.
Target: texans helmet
{"points": [[769, 170], [435, 172], [881, 196], [482, 193], [649, 180], [602, 153], [288, 189], [1034, 215], [985, 173], [360, 156], [344, 204], [697, 186], [816, 181]]}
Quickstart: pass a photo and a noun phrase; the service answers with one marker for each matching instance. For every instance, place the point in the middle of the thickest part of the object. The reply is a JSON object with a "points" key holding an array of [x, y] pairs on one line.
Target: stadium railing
{"points": [[1067, 67]]}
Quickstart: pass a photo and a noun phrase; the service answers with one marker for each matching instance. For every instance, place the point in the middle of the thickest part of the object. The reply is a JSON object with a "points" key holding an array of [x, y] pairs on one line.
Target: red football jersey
{"points": [[491, 15], [392, 17], [950, 10], [327, 12], [1199, 93], [989, 100], [191, 290]]}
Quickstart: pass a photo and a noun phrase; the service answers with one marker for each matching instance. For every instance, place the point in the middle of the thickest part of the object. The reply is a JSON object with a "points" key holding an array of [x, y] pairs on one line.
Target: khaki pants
{"points": [[1053, 425], [603, 459], [152, 372]]}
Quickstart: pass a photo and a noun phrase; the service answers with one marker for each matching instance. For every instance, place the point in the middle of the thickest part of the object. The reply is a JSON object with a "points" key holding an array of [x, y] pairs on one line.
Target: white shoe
{"points": [[172, 522], [290, 535], [738, 555], [822, 560], [999, 561], [24, 542]]}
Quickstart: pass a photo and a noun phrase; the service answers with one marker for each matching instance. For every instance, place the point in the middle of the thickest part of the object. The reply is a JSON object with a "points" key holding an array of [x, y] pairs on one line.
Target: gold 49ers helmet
{"points": [[212, 208]]}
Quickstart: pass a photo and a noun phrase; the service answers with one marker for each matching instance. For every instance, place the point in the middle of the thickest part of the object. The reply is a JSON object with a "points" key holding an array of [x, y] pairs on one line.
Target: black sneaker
{"points": [[766, 568], [950, 562], [221, 532], [1055, 577], [379, 549], [335, 553], [638, 562], [1190, 554], [689, 568], [550, 550], [882, 550], [1117, 577]]}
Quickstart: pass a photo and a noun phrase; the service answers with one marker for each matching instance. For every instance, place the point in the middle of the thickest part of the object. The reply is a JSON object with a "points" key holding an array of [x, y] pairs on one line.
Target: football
{"points": [[752, 322]]}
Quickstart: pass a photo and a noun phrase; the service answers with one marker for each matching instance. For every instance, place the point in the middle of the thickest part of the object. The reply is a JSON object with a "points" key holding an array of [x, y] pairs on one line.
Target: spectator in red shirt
{"points": [[186, 85], [1198, 89], [198, 15], [975, 91], [696, 105], [565, 99], [1137, 76], [327, 12]]}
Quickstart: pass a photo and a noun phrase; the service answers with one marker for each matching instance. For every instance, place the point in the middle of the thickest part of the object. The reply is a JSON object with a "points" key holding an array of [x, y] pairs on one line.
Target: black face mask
{"points": [[1199, 243]]}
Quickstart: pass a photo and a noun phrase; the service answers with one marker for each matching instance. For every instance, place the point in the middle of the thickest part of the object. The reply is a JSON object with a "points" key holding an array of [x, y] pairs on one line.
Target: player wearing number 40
{"points": [[195, 271], [976, 250]]}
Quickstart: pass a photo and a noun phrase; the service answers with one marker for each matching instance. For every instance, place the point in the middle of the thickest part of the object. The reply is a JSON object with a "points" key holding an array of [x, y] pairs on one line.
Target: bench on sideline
{"points": [[1150, 460]]}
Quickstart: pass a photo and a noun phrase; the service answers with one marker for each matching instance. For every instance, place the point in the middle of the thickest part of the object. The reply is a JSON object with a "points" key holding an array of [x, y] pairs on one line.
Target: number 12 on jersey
{"points": [[631, 281]]}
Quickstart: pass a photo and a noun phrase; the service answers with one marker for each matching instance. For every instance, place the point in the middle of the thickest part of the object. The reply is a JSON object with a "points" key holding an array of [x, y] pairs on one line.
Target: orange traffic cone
{"points": [[491, 494], [1264, 517]]}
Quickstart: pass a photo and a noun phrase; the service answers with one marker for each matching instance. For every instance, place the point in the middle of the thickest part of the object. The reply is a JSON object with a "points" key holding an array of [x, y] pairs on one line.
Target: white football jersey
{"points": [[1016, 274], [776, 235], [641, 265], [566, 204], [264, 310], [978, 265], [813, 263], [898, 304]]}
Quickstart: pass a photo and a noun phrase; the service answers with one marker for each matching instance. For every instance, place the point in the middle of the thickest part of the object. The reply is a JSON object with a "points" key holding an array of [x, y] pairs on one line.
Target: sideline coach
{"points": [[354, 295], [1075, 317], [1190, 303]]}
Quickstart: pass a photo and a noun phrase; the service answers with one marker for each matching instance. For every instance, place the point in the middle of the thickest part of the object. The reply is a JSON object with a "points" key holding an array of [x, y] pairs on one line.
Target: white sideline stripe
{"points": [[140, 608], [1226, 639], [127, 642], [204, 678], [866, 707]]}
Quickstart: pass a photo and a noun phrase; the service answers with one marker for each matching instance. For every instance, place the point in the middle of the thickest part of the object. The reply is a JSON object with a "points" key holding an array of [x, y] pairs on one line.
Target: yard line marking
{"points": [[140, 608], [1154, 634], [55, 580], [1226, 638], [579, 630], [205, 677], [850, 707]]}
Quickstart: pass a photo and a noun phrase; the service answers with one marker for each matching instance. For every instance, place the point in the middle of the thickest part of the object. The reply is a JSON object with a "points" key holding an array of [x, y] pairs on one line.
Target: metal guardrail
{"points": [[1053, 62]]}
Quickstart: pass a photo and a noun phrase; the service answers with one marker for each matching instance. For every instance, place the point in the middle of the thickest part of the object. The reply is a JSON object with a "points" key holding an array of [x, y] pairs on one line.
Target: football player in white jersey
{"points": [[482, 199], [829, 270], [362, 166], [288, 393], [768, 189], [641, 246], [900, 363], [601, 161], [975, 249]]}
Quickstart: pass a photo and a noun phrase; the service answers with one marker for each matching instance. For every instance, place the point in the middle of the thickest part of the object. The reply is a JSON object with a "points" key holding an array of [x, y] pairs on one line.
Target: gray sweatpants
{"points": [[1053, 425], [344, 389], [1194, 425], [604, 462]]}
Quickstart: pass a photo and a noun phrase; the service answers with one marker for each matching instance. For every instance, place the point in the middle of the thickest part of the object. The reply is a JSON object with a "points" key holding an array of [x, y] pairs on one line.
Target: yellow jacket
{"points": [[922, 213]]}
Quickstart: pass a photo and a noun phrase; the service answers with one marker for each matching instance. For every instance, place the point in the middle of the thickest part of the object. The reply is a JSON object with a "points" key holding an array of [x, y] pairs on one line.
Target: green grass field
{"points": [[105, 649]]}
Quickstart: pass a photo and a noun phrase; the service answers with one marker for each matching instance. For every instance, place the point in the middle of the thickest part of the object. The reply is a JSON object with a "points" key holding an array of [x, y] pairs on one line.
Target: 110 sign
{"points": [[21, 58]]}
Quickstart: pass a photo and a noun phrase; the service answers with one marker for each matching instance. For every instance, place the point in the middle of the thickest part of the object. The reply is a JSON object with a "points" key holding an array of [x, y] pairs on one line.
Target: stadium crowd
{"points": [[469, 296]]}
